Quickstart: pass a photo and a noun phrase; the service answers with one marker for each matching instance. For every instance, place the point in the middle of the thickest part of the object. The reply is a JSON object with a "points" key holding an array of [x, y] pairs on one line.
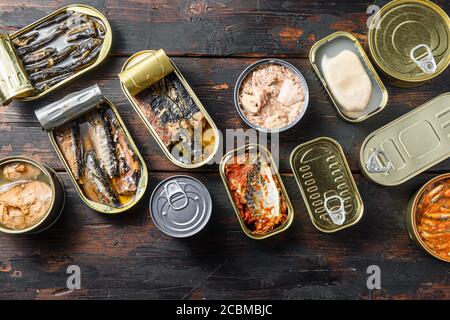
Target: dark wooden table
{"points": [[126, 256]]}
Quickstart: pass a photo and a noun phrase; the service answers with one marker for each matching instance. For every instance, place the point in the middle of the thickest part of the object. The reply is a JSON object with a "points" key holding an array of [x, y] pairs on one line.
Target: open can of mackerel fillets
{"points": [[327, 185], [409, 41], [256, 191], [96, 149], [409, 145], [52, 51], [42, 183], [331, 46], [169, 108]]}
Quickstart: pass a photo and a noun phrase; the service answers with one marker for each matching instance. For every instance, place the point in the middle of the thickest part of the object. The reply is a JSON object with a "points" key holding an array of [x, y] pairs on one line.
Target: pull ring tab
{"points": [[172, 190], [337, 215], [378, 162], [426, 63]]}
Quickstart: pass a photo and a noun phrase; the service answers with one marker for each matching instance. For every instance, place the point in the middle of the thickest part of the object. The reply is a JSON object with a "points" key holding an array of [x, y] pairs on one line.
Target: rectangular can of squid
{"points": [[256, 191], [327, 185], [169, 108], [52, 51], [96, 149]]}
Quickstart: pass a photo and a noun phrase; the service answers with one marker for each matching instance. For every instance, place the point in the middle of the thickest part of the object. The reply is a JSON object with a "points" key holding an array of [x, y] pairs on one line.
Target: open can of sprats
{"points": [[32, 196], [409, 41], [52, 51], [96, 149], [271, 95], [169, 108], [409, 145], [327, 185], [180, 206], [256, 191], [344, 84], [428, 217]]}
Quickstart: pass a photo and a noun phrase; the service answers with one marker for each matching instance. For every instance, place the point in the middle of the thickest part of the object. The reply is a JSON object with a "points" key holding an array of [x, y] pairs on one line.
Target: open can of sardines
{"points": [[52, 51], [96, 149], [32, 196], [428, 217], [256, 191], [169, 108]]}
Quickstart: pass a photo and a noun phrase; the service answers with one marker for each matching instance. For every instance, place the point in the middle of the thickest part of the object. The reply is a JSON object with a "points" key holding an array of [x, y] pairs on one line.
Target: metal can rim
{"points": [[252, 67]]}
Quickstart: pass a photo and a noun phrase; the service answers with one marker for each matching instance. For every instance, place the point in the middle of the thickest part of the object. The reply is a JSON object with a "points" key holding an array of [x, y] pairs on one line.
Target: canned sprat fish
{"points": [[327, 184], [428, 217], [169, 108], [409, 145], [271, 95], [96, 149], [32, 196], [348, 76], [409, 41], [180, 206], [52, 51], [256, 191]]}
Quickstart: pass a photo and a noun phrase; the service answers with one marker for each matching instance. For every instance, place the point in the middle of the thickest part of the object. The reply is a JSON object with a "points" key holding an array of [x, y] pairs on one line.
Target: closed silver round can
{"points": [[180, 206]]}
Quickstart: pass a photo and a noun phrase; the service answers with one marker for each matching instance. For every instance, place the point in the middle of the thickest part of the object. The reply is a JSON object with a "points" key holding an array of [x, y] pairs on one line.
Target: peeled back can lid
{"points": [[180, 206], [409, 40]]}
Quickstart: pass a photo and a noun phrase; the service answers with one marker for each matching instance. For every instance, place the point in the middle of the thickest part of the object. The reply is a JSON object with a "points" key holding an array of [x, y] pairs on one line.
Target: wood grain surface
{"points": [[126, 256]]}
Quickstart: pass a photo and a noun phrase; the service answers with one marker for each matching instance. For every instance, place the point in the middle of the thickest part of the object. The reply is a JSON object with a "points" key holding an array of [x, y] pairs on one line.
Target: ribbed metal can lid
{"points": [[180, 206], [410, 40]]}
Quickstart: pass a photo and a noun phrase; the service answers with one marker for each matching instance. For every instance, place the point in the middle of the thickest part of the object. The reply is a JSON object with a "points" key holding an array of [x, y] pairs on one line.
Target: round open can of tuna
{"points": [[180, 206], [409, 41], [18, 172]]}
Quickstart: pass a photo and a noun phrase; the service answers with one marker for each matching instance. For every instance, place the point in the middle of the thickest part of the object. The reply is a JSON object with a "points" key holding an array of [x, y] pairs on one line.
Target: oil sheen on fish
{"points": [[69, 142], [96, 184], [102, 141]]}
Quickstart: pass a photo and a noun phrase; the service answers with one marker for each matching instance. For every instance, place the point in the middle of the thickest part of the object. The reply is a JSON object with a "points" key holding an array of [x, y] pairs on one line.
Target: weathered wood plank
{"points": [[213, 80], [125, 256], [212, 28]]}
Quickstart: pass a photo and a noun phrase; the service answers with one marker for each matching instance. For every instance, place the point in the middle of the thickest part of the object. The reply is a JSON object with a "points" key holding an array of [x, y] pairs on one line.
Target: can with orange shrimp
{"points": [[428, 217]]}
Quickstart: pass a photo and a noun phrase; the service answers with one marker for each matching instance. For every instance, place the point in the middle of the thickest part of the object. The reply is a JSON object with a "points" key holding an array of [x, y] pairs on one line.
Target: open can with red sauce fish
{"points": [[428, 217], [256, 191]]}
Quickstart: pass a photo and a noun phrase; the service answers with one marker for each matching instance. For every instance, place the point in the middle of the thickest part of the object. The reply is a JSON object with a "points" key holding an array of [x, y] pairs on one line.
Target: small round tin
{"points": [[252, 67], [180, 206], [409, 41], [58, 197], [411, 216]]}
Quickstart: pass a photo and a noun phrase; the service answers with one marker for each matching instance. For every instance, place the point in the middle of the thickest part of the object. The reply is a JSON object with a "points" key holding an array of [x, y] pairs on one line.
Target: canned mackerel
{"points": [[409, 145], [169, 108], [347, 74], [428, 217], [180, 206], [256, 191], [96, 149], [409, 41], [52, 51], [326, 183], [32, 196]]}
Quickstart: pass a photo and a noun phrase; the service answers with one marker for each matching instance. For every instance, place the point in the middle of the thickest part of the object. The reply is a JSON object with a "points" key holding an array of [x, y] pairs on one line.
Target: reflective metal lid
{"points": [[180, 206], [409, 145], [326, 182], [410, 40]]}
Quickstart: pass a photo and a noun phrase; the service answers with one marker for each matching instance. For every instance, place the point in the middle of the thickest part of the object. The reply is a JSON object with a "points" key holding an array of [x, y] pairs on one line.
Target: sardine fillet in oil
{"points": [[69, 141]]}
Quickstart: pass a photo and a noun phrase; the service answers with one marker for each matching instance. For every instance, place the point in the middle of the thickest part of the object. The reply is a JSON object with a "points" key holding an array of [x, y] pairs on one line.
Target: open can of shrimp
{"points": [[256, 191], [169, 108], [52, 51], [409, 41], [180, 206], [96, 149], [32, 196], [271, 95], [428, 217]]}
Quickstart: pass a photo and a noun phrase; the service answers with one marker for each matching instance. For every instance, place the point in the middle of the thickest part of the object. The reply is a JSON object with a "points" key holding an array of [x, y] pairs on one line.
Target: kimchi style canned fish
{"points": [[428, 217], [52, 51], [256, 191]]}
